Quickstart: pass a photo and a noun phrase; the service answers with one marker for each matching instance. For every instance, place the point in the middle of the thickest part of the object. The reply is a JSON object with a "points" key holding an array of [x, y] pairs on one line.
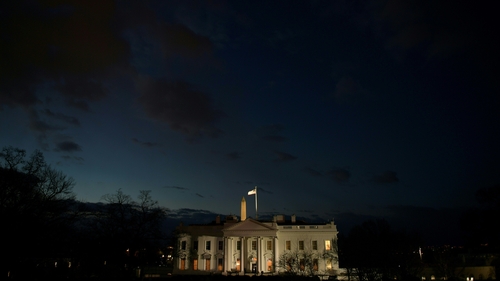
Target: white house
{"points": [[239, 246]]}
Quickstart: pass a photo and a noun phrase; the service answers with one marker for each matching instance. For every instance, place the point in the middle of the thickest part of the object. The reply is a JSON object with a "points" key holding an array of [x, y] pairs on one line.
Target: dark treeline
{"points": [[47, 234], [374, 251]]}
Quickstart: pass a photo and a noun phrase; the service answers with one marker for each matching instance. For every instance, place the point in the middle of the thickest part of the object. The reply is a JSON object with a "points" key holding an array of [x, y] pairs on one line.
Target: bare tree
{"points": [[35, 202]]}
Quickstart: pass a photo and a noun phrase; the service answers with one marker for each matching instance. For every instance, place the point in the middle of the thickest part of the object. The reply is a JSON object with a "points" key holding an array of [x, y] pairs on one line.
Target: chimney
{"points": [[294, 218], [243, 209]]}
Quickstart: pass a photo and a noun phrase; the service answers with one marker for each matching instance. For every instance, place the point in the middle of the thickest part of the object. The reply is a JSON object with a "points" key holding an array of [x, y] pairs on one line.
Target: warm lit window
{"points": [[183, 264], [195, 264], [207, 245], [220, 266], [329, 264], [238, 245], [302, 264], [315, 264], [328, 246], [288, 245], [254, 245], [269, 245], [207, 264], [301, 245], [183, 245], [221, 245], [314, 245]]}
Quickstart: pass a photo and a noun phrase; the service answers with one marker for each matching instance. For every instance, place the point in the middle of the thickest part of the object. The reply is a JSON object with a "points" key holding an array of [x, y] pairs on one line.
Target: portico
{"points": [[251, 246]]}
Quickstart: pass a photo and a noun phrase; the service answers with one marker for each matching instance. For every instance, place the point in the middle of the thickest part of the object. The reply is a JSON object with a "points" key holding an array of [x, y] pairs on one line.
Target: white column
{"points": [[260, 255], [226, 253], [276, 253], [242, 255]]}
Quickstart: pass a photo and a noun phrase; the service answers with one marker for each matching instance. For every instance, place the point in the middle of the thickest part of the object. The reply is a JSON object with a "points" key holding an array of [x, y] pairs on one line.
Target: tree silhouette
{"points": [[373, 251], [35, 204]]}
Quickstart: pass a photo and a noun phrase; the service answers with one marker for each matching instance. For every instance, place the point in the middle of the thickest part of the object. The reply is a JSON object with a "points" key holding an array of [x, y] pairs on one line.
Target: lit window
{"points": [[220, 266], [254, 245], [314, 245], [195, 264], [269, 245], [315, 264], [288, 245], [301, 245], [329, 264], [207, 245], [328, 246]]}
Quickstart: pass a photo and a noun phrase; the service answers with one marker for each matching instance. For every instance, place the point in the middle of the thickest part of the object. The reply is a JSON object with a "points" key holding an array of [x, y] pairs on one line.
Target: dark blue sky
{"points": [[334, 109]]}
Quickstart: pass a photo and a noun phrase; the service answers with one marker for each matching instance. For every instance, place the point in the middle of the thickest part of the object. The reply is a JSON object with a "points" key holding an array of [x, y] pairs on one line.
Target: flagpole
{"points": [[256, 214]]}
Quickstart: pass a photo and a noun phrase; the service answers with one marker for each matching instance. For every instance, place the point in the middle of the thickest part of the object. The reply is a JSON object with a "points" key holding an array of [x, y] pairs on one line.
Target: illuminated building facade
{"points": [[236, 246]]}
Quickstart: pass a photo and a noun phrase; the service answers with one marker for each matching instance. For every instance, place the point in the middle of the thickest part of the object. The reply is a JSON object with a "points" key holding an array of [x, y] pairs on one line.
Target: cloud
{"points": [[274, 138], [62, 117], [73, 158], [339, 175], [177, 39], [264, 190], [233, 155], [386, 177], [199, 195], [53, 42], [68, 146], [178, 104], [313, 172], [145, 144], [176, 187], [38, 125], [349, 89], [82, 88], [284, 157], [272, 129], [78, 104]]}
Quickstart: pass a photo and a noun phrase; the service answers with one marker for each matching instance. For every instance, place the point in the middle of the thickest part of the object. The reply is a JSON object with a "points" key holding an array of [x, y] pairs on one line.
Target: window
{"points": [[220, 266], [314, 245], [328, 246], [302, 264], [269, 245], [329, 264], [183, 264], [301, 245], [207, 263], [238, 245], [207, 245], [221, 245], [254, 245], [183, 245], [195, 245], [288, 245], [315, 264], [195, 264]]}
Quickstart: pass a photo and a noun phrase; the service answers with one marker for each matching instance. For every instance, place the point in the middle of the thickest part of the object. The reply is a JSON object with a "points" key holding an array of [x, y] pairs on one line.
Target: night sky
{"points": [[334, 109]]}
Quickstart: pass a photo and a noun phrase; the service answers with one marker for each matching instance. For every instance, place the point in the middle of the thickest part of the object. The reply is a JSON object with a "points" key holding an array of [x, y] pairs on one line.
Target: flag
{"points": [[253, 191]]}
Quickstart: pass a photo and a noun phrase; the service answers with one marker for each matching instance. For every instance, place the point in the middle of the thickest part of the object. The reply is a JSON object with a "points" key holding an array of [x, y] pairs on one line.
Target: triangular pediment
{"points": [[250, 227]]}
